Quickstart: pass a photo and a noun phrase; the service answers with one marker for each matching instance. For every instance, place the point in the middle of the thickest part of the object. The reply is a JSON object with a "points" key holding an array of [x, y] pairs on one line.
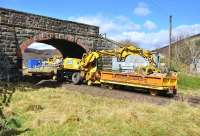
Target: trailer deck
{"points": [[151, 82]]}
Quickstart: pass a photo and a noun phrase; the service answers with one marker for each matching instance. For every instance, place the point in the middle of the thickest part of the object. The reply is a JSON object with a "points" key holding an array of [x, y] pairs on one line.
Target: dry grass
{"points": [[58, 112]]}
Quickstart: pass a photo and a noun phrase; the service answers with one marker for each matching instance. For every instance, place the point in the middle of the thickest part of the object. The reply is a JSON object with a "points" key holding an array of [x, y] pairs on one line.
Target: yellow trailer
{"points": [[154, 82]]}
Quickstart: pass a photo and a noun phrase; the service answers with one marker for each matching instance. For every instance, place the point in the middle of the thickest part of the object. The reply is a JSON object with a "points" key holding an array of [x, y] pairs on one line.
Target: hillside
{"points": [[39, 54]]}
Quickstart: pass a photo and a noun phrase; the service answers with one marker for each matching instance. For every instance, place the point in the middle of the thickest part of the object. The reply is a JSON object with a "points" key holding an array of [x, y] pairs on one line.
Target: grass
{"points": [[189, 83], [59, 112]]}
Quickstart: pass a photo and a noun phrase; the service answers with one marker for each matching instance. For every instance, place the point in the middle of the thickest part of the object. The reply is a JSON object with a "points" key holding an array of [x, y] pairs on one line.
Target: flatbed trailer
{"points": [[153, 83], [43, 71]]}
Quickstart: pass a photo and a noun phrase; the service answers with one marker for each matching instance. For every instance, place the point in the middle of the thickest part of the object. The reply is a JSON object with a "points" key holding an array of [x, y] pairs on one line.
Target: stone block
{"points": [[30, 25]]}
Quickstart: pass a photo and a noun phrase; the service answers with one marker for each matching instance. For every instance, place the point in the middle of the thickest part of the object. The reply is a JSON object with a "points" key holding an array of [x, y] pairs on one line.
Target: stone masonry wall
{"points": [[8, 58], [31, 21], [17, 27]]}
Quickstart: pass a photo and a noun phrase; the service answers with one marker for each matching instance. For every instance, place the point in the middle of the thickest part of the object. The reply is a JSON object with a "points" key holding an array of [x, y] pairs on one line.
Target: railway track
{"points": [[125, 94], [192, 100]]}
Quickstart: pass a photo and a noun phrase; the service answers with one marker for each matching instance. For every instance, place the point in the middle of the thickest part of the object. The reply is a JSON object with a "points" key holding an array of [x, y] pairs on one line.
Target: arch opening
{"points": [[67, 49], [53, 47], [39, 51]]}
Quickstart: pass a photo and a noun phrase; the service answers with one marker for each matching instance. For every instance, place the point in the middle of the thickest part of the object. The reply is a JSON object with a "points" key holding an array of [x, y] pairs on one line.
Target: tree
{"points": [[186, 51]]}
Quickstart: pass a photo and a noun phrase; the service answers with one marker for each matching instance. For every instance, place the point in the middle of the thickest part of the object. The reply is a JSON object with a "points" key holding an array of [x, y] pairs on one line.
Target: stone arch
{"points": [[75, 45], [48, 36]]}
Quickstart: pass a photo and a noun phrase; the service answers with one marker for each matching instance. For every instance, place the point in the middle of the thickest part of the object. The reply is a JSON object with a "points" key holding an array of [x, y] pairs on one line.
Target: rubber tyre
{"points": [[76, 78], [60, 76]]}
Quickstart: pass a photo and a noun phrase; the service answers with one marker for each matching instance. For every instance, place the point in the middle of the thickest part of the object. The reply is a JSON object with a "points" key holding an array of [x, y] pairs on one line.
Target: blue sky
{"points": [[142, 21]]}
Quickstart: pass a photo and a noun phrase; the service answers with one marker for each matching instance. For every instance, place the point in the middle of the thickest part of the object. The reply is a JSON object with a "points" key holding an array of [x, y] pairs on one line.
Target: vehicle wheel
{"points": [[89, 82], [76, 78], [153, 92], [54, 77], [110, 87], [60, 76]]}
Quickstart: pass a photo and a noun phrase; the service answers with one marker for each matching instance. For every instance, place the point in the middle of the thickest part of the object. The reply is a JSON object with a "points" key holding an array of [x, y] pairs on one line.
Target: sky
{"points": [[144, 22]]}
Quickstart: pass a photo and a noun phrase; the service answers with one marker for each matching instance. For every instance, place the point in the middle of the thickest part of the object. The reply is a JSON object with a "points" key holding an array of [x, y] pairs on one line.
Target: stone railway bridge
{"points": [[18, 30]]}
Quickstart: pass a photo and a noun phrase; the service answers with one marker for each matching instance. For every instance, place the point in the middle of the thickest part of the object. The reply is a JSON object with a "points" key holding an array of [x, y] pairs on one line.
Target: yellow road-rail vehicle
{"points": [[147, 77]]}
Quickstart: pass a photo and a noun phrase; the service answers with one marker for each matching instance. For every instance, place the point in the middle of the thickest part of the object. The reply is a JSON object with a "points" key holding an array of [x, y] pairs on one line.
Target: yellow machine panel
{"points": [[71, 63], [53, 60]]}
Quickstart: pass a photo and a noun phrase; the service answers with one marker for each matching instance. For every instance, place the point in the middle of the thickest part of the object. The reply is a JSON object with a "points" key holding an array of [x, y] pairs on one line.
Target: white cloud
{"points": [[150, 25], [152, 40], [41, 46], [187, 29], [149, 40], [122, 28], [142, 9], [108, 25]]}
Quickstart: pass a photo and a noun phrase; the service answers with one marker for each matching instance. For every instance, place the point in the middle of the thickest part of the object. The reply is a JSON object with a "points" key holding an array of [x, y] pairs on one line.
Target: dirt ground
{"points": [[126, 94], [122, 93]]}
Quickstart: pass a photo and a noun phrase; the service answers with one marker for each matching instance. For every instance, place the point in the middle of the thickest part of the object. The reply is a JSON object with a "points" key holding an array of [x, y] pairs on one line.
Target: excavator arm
{"points": [[127, 50], [91, 57], [88, 62]]}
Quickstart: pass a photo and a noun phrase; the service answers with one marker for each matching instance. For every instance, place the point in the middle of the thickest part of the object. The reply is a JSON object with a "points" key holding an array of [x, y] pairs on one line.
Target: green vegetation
{"points": [[189, 83], [58, 112]]}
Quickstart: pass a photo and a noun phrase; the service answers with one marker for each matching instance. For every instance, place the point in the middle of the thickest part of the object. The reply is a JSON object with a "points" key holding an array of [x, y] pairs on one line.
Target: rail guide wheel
{"points": [[89, 82], [76, 78], [153, 92]]}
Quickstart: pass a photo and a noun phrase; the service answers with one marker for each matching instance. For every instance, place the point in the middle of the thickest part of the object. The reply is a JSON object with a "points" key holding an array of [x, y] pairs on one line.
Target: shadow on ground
{"points": [[40, 82], [13, 132]]}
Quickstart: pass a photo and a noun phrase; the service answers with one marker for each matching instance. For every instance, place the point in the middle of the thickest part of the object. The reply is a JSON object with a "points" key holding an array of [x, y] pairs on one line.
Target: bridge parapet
{"points": [[38, 22], [19, 29]]}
